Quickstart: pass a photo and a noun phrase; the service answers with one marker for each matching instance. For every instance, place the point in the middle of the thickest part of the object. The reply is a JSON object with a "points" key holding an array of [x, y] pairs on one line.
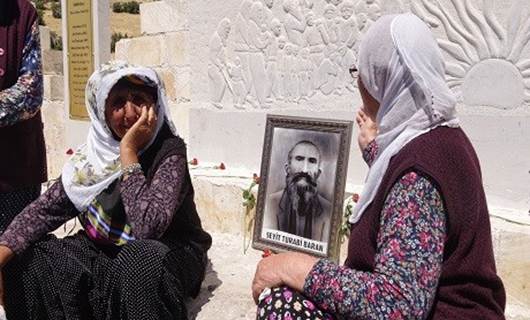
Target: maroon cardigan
{"points": [[469, 287], [23, 160]]}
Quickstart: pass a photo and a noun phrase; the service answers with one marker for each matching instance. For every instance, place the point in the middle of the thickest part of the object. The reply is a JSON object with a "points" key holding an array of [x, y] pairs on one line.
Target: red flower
{"points": [[70, 152], [222, 166], [266, 253], [194, 162], [255, 177], [355, 197]]}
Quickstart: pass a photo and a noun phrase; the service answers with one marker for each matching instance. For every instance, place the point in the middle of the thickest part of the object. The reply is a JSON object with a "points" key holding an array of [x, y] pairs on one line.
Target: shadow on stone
{"points": [[210, 283]]}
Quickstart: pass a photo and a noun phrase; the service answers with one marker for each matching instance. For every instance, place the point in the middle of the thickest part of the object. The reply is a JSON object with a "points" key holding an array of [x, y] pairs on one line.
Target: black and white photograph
{"points": [[303, 176]]}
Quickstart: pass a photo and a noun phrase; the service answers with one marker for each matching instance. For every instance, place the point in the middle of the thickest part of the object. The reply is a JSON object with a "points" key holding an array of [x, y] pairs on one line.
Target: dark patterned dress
{"points": [[407, 268], [80, 278]]}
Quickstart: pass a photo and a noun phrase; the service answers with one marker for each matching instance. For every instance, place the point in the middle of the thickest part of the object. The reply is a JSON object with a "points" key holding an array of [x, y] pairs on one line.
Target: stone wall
{"points": [[53, 105], [264, 71]]}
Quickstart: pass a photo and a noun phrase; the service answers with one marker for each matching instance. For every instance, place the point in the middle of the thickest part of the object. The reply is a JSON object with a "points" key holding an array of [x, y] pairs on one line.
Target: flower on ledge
{"points": [[221, 166], [194, 162]]}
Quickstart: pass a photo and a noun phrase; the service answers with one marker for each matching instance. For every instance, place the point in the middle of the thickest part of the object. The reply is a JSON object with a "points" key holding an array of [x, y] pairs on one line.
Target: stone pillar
{"points": [[76, 130]]}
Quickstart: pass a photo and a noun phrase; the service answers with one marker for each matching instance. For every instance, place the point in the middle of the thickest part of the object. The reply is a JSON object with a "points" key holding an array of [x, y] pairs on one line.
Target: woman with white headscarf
{"points": [[142, 251], [420, 242]]}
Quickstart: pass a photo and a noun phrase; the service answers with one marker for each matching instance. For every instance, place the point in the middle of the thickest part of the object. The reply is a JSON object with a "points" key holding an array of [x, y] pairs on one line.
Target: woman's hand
{"points": [[1, 288], [288, 268], [5, 255], [141, 132], [367, 129]]}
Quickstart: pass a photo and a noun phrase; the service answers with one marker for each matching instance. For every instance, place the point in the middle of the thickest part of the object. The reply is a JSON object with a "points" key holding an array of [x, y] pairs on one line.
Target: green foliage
{"points": [[56, 41], [249, 202], [56, 10], [39, 4], [116, 36], [132, 7], [40, 14]]}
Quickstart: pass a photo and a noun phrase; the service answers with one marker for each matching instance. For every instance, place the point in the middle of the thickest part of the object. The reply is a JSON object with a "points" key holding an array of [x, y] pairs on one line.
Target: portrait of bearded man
{"points": [[300, 208]]}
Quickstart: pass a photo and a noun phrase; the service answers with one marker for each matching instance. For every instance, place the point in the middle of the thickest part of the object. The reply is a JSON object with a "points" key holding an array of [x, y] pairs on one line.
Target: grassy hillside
{"points": [[124, 23]]}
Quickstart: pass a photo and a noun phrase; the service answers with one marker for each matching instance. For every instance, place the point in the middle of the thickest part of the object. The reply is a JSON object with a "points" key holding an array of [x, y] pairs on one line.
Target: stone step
{"points": [[162, 16], [167, 49]]}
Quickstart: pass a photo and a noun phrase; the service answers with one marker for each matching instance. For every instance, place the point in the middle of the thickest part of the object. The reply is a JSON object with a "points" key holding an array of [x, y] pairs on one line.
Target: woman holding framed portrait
{"points": [[420, 243]]}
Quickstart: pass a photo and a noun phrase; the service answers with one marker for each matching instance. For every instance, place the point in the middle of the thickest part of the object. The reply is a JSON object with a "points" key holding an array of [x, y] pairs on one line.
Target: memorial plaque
{"points": [[80, 54]]}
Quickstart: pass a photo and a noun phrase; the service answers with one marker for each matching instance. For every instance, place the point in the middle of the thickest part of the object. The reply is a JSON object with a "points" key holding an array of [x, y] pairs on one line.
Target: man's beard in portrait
{"points": [[302, 198], [8, 11]]}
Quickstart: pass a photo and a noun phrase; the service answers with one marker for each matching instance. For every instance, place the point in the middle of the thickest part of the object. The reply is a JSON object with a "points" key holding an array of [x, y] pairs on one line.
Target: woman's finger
{"points": [[359, 120], [362, 114], [151, 120]]}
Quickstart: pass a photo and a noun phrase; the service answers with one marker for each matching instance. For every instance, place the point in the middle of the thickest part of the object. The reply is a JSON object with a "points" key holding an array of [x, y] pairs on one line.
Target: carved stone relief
{"points": [[486, 65], [286, 51]]}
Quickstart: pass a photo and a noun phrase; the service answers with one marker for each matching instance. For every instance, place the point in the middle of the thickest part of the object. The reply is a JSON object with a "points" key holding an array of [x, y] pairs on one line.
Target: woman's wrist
{"points": [[128, 155], [5, 255], [295, 268]]}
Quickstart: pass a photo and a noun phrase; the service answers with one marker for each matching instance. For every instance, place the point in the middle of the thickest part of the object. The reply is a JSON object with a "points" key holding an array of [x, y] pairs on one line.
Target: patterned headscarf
{"points": [[96, 163], [401, 66]]}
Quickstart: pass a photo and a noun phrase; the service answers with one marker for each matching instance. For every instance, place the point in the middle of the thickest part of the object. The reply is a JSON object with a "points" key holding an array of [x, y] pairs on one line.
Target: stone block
{"points": [[53, 114], [122, 47], [218, 202], [52, 62], [161, 16], [169, 79], [53, 87], [177, 83], [175, 48], [45, 38], [144, 51], [180, 114], [182, 84]]}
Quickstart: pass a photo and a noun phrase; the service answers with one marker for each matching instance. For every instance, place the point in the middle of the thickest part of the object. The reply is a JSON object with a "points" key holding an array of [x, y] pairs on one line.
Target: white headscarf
{"points": [[96, 163], [401, 66]]}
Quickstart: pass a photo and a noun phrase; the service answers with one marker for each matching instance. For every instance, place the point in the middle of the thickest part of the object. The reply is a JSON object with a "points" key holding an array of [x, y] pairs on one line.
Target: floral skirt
{"points": [[285, 303]]}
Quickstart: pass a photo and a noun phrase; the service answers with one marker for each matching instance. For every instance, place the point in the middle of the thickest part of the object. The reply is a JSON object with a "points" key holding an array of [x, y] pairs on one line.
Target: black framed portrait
{"points": [[303, 176]]}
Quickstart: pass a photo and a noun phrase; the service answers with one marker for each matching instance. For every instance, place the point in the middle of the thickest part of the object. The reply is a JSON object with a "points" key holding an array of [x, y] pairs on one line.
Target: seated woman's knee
{"points": [[143, 253]]}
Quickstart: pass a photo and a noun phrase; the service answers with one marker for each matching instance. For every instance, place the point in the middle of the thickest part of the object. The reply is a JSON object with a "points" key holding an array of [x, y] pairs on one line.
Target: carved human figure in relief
{"points": [[306, 6], [282, 42], [237, 77], [217, 70], [259, 40], [267, 11], [291, 73], [332, 28], [349, 35], [294, 21], [316, 38], [272, 56], [349, 28], [328, 73], [241, 42], [305, 75], [362, 19], [371, 8]]}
